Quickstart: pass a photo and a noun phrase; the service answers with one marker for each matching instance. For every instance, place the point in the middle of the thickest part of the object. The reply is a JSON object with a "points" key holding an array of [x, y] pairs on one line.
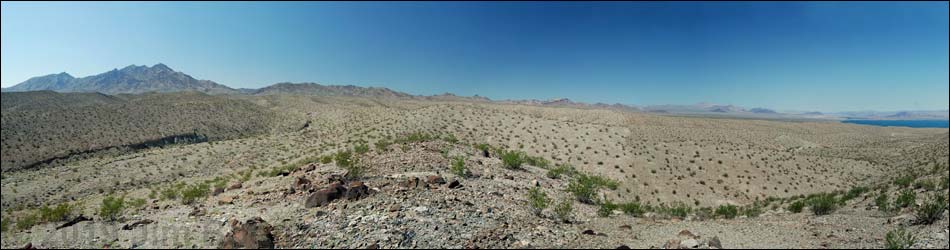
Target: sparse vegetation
{"points": [[361, 149], [932, 210], [558, 171], [458, 167], [904, 181], [194, 193], [28, 221], [823, 204], [900, 239], [585, 187], [538, 200], [945, 183], [512, 159], [797, 206], [607, 208], [727, 211], [883, 203], [61, 212], [906, 199], [112, 208], [564, 210], [4, 225]]}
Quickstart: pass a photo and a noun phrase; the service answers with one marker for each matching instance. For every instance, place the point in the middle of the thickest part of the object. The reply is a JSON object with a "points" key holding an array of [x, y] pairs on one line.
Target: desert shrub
{"points": [[347, 161], [906, 199], [111, 208], [538, 200], [752, 211], [61, 212], [537, 161], [27, 221], [564, 210], [173, 192], [900, 239], [361, 149], [458, 167], [945, 183], [137, 203], [326, 159], [932, 210], [796, 207], [450, 139], [679, 210], [883, 203], [512, 159], [558, 171], [633, 209], [194, 193], [823, 204], [904, 181], [854, 193], [607, 208], [928, 185], [727, 211], [415, 137], [4, 225], [483, 147], [603, 182]]}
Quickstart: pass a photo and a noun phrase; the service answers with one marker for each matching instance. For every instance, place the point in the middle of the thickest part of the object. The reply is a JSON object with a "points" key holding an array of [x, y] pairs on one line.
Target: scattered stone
{"points": [[303, 185], [714, 242], [535, 183], [217, 191], [324, 197], [623, 247], [137, 224], [588, 232], [672, 244], [455, 184], [435, 180], [394, 208], [253, 234], [226, 200], [626, 227], [356, 190], [236, 186], [198, 212], [687, 234], [689, 243]]}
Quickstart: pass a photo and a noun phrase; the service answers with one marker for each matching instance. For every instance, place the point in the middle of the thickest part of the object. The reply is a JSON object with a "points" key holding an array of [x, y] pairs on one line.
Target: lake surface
{"points": [[902, 123]]}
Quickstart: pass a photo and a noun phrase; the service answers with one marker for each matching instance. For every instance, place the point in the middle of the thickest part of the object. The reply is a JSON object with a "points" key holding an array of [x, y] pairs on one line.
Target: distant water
{"points": [[903, 123]]}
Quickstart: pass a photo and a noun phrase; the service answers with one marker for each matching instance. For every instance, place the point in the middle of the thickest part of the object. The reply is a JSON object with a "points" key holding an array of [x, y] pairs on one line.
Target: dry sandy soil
{"points": [[656, 161]]}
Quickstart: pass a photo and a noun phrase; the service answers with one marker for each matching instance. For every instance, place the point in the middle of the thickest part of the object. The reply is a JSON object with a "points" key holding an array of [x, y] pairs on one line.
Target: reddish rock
{"points": [[325, 197], [303, 185], [435, 180], [236, 186], [253, 234]]}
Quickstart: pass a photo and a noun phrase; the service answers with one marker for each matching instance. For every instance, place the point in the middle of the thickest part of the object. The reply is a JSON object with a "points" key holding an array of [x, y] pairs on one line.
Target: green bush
{"points": [[823, 204], [928, 185], [584, 187], [512, 159], [633, 209], [346, 160], [883, 203], [361, 149], [173, 192], [137, 203], [537, 161], [111, 208], [450, 139], [564, 210], [458, 167], [904, 181], [727, 211], [27, 222], [900, 239], [538, 200], [906, 199], [796, 207], [679, 210], [61, 212], [558, 171], [932, 211], [607, 208], [326, 159], [854, 193], [945, 183], [752, 211], [4, 225], [195, 193]]}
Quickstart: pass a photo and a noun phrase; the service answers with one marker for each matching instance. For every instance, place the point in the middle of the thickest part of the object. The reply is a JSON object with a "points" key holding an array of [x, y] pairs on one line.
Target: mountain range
{"points": [[162, 79]]}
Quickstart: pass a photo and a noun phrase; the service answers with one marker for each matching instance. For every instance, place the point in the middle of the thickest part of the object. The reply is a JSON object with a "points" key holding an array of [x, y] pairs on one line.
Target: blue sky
{"points": [[789, 56]]}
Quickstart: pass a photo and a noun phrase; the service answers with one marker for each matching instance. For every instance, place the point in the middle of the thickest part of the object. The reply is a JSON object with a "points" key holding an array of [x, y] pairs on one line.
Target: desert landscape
{"points": [[313, 166]]}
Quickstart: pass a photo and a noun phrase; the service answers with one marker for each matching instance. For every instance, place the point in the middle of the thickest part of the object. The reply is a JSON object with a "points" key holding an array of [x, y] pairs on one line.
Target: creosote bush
{"points": [[900, 239], [823, 204], [564, 210], [538, 200], [112, 208], [932, 211], [727, 211]]}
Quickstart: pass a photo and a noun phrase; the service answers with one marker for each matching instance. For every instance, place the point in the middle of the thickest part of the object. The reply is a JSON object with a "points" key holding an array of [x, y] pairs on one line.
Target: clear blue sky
{"points": [[786, 56]]}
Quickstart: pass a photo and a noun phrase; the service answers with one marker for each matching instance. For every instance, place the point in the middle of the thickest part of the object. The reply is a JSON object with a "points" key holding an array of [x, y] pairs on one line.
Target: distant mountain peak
{"points": [[132, 79]]}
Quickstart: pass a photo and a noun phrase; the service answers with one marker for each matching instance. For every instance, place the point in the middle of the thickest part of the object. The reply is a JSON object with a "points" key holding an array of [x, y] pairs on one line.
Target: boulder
{"points": [[672, 244], [715, 243], [435, 180], [413, 183], [455, 184], [252, 234], [356, 190], [226, 200], [689, 243], [325, 197], [236, 186], [303, 185]]}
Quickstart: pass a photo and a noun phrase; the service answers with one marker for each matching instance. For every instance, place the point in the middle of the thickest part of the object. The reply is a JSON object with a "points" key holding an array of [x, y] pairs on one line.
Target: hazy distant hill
{"points": [[322, 90], [129, 80]]}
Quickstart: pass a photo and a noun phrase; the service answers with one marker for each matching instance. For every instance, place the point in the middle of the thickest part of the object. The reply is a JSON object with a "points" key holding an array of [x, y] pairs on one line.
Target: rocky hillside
{"points": [[314, 89]]}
